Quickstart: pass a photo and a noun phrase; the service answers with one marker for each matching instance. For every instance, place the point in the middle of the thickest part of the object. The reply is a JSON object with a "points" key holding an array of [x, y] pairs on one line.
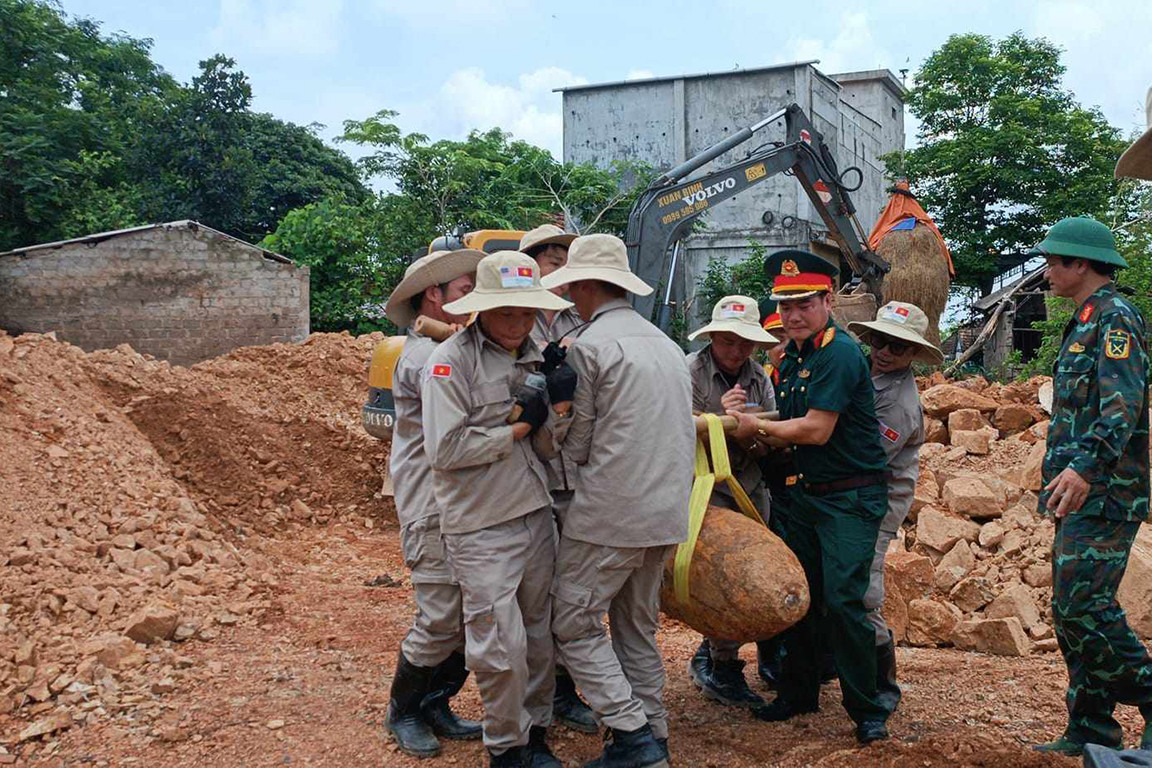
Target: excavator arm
{"points": [[666, 211]]}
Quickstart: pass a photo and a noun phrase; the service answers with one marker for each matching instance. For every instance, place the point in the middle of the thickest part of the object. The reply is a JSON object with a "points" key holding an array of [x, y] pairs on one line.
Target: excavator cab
{"points": [[379, 413]]}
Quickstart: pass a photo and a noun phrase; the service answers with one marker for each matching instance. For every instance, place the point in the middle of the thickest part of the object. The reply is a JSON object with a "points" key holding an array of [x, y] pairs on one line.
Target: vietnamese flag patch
{"points": [[889, 434], [442, 371]]}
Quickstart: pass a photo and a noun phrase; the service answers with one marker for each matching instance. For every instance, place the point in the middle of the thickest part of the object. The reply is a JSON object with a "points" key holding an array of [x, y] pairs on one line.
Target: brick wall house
{"points": [[180, 291]]}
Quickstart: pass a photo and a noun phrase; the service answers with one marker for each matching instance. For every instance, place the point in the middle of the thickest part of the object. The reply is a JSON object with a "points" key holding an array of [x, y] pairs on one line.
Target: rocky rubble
{"points": [[134, 497], [972, 566]]}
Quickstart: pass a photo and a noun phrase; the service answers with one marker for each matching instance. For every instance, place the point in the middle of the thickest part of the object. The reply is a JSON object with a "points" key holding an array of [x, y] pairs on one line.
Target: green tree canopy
{"points": [[1004, 150], [94, 135]]}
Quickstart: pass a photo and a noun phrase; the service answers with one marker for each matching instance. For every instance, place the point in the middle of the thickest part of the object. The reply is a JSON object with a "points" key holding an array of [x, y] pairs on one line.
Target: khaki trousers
{"points": [[438, 627], [874, 597], [504, 573], [623, 677]]}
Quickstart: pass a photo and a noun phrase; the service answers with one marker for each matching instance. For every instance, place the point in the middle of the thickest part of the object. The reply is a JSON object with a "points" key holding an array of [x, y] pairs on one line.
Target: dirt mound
{"points": [[972, 567], [132, 498]]}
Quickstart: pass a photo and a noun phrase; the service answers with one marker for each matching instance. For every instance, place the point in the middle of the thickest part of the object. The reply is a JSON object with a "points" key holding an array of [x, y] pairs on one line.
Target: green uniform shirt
{"points": [[1099, 422], [829, 373]]}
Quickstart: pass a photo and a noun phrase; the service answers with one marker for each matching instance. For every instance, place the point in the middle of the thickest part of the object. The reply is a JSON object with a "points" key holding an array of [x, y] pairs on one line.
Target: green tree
{"points": [[350, 269], [490, 181], [69, 100], [94, 136], [207, 157], [1004, 149]]}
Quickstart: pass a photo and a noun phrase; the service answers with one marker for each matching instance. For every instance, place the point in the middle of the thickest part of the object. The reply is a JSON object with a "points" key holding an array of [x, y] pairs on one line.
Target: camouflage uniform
{"points": [[1099, 428]]}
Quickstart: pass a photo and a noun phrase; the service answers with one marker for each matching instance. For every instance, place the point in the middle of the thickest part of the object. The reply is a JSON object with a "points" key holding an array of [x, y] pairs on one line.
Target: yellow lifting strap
{"points": [[702, 487]]}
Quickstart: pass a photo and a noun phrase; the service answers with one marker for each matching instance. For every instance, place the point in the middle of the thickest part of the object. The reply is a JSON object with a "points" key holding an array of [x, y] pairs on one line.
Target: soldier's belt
{"points": [[847, 484]]}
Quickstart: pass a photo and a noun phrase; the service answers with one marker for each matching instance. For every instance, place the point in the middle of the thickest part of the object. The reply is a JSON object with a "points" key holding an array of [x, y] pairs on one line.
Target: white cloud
{"points": [[639, 74], [853, 48], [289, 28], [1089, 31], [468, 101]]}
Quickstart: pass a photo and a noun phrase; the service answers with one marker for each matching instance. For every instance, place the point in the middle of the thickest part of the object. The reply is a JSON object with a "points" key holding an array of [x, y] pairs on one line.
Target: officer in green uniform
{"points": [[839, 497], [1096, 484]]}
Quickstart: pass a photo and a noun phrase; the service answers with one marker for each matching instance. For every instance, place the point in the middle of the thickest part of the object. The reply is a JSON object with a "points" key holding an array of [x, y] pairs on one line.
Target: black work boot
{"points": [[447, 680], [539, 755], [631, 749], [768, 661], [567, 706], [728, 686], [887, 689], [868, 731], [404, 721], [516, 757], [700, 665]]}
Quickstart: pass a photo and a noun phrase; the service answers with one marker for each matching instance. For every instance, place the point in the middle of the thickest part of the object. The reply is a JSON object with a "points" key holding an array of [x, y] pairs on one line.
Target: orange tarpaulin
{"points": [[901, 206]]}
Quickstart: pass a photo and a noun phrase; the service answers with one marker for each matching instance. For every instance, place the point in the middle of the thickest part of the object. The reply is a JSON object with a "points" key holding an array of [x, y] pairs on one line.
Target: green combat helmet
{"points": [[1080, 237]]}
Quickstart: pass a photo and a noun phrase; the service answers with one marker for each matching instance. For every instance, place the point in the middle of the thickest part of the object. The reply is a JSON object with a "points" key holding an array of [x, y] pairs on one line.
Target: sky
{"points": [[451, 66]]}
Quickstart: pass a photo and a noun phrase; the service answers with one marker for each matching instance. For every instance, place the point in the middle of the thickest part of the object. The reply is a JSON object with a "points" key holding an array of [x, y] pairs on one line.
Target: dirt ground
{"points": [[255, 468], [308, 686]]}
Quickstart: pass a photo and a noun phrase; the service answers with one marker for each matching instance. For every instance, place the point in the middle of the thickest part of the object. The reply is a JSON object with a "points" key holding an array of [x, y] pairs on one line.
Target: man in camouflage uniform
{"points": [[1096, 484]]}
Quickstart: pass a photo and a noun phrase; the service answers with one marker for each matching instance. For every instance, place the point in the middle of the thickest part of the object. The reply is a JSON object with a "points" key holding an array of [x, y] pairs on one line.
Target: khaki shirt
{"points": [[411, 473], [901, 435], [561, 470], [481, 476], [632, 433], [708, 386]]}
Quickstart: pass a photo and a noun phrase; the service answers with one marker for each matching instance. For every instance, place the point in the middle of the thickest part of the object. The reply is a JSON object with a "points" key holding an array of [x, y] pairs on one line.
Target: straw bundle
{"points": [[919, 273]]}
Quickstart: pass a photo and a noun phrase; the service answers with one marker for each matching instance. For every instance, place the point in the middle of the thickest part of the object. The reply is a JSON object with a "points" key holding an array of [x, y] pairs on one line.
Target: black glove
{"points": [[533, 402], [554, 355], [561, 383]]}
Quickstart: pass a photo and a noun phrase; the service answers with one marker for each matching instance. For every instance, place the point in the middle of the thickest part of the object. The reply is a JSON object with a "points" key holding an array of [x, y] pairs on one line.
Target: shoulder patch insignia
{"points": [[1086, 313], [442, 371], [1118, 344], [829, 334], [1076, 347], [888, 433]]}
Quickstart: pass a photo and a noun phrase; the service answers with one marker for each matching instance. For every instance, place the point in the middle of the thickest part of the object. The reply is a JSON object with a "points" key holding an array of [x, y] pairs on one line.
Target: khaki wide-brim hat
{"points": [[1136, 161], [739, 315], [436, 268], [507, 279], [906, 322], [598, 257], [545, 234]]}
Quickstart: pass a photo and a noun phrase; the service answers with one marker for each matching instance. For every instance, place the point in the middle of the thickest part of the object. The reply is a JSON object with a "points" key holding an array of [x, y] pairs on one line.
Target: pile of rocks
{"points": [[972, 566], [134, 498]]}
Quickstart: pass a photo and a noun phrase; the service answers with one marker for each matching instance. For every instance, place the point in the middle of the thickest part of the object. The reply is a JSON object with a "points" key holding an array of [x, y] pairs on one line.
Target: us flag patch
{"points": [[442, 371], [516, 277], [889, 434]]}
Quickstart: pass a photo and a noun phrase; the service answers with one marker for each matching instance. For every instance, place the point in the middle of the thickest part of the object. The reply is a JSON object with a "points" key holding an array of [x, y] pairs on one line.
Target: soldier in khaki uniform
{"points": [[548, 246], [492, 490], [897, 340], [430, 667], [632, 435], [724, 377]]}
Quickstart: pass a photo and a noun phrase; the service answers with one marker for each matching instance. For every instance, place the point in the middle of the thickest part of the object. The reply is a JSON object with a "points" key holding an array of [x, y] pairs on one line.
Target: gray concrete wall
{"points": [[664, 122], [178, 293]]}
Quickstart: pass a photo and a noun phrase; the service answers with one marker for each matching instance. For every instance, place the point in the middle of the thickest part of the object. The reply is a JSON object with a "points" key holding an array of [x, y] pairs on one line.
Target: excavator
{"points": [[665, 213]]}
